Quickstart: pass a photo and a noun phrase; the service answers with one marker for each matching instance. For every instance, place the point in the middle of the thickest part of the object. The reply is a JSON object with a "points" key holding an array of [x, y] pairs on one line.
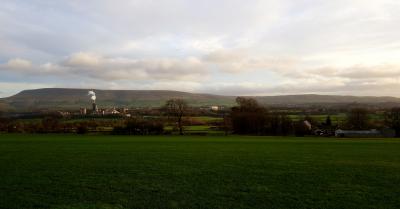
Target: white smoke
{"points": [[93, 95]]}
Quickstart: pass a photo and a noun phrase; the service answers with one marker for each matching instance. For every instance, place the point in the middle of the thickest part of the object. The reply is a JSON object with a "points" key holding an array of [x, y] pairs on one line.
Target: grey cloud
{"points": [[108, 69], [242, 60], [308, 45], [302, 87], [357, 72], [197, 70], [380, 71], [19, 64]]}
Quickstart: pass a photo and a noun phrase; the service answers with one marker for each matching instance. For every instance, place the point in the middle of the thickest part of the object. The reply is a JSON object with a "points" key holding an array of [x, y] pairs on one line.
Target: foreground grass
{"points": [[62, 171]]}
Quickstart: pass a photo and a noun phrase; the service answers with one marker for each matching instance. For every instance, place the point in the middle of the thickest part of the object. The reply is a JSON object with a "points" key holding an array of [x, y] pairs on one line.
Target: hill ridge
{"points": [[73, 98]]}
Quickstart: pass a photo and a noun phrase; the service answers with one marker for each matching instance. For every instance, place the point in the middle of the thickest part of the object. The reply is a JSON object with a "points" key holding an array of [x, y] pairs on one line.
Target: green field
{"points": [[69, 171]]}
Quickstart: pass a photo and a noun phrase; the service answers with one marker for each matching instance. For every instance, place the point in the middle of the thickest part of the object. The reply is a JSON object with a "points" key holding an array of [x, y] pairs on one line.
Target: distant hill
{"points": [[61, 98]]}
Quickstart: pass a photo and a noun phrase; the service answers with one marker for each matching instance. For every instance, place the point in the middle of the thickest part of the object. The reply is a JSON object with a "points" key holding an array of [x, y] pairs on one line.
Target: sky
{"points": [[226, 47]]}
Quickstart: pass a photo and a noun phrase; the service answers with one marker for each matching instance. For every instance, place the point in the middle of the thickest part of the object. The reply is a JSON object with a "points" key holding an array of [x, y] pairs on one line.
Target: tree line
{"points": [[248, 117], [251, 118]]}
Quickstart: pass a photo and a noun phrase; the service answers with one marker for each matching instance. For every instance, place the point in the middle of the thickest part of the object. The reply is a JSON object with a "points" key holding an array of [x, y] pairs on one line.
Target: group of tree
{"points": [[53, 125], [392, 120], [248, 117], [139, 126], [175, 109], [251, 118], [358, 119]]}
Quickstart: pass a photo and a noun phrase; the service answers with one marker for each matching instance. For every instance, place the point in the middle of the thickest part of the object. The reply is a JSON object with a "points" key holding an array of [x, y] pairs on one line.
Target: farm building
{"points": [[364, 133], [112, 111]]}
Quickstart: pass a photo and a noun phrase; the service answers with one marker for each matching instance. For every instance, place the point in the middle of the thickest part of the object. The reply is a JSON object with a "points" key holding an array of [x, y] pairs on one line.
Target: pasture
{"points": [[70, 171]]}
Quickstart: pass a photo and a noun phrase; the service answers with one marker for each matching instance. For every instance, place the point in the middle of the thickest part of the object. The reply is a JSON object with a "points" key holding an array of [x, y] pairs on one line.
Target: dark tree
{"points": [[50, 124], [278, 124], [249, 104], [300, 129], [177, 109], [392, 120], [328, 121], [248, 117], [5, 123], [358, 119], [140, 126], [227, 122], [82, 129]]}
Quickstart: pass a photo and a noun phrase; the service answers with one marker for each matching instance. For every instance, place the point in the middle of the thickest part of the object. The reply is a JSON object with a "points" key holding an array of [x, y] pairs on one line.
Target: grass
{"points": [[336, 118], [208, 119], [191, 128], [197, 128], [321, 118], [69, 171]]}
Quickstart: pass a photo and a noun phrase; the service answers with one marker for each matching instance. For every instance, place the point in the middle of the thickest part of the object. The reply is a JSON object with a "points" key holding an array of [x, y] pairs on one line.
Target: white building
{"points": [[358, 133]]}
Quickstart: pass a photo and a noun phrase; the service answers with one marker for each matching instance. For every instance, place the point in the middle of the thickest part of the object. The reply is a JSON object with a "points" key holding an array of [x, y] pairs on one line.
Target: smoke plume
{"points": [[93, 95]]}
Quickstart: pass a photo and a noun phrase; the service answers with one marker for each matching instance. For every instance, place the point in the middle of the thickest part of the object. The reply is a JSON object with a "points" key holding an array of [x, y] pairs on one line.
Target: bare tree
{"points": [[248, 117], [392, 119], [227, 122], [177, 108], [358, 118]]}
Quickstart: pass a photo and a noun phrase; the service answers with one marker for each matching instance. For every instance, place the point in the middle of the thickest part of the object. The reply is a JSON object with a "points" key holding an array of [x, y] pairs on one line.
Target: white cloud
{"points": [[109, 69], [242, 61], [18, 64], [81, 59], [372, 72], [194, 74], [343, 46]]}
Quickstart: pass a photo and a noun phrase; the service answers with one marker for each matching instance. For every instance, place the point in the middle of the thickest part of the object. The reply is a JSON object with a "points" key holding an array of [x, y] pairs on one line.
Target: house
{"points": [[112, 111], [83, 111], [324, 132], [214, 108], [63, 113], [358, 133], [308, 125]]}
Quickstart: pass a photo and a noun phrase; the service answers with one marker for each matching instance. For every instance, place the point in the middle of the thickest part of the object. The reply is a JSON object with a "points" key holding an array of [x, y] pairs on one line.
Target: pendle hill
{"points": [[63, 98]]}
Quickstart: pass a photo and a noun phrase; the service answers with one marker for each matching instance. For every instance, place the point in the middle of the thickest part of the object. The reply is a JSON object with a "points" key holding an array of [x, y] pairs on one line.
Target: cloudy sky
{"points": [[229, 47]]}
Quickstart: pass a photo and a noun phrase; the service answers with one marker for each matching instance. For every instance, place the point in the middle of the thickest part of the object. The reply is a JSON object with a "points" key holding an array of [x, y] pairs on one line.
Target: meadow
{"points": [[71, 171]]}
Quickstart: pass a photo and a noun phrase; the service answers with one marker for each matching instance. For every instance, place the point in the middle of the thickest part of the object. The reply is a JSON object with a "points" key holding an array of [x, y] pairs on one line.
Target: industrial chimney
{"points": [[93, 98], [94, 106]]}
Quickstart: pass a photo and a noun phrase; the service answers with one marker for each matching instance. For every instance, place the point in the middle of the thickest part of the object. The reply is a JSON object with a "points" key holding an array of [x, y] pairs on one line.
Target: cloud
{"points": [[110, 68], [242, 61], [358, 79], [18, 64], [335, 87], [194, 73], [227, 46], [82, 60], [374, 72], [357, 72]]}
